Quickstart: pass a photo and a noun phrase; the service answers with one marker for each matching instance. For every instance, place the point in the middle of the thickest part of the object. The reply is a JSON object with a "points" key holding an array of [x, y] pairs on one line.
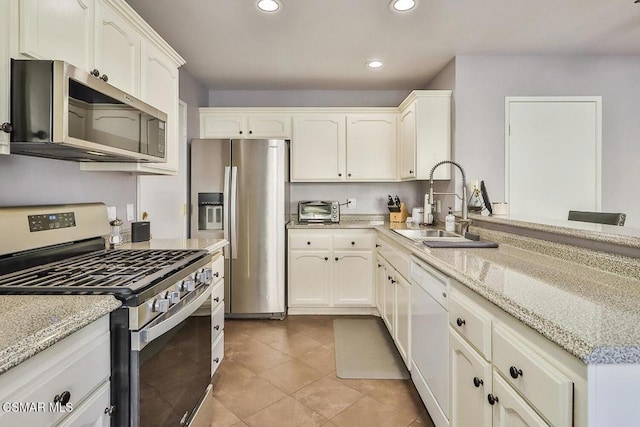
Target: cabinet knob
{"points": [[308, 243], [460, 321], [62, 398], [217, 327], [353, 243], [326, 258], [492, 399], [378, 245], [515, 372], [6, 127], [339, 174], [348, 174], [217, 360], [388, 277], [336, 258], [109, 410], [240, 132], [477, 382], [250, 132], [410, 171], [95, 72], [393, 281], [379, 265], [216, 299], [104, 78]]}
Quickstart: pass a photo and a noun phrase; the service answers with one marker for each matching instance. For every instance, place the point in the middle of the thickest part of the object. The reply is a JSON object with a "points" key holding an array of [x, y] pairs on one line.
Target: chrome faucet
{"points": [[465, 201]]}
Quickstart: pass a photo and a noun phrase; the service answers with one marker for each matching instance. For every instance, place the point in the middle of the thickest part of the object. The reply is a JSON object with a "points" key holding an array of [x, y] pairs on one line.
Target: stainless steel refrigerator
{"points": [[240, 191]]}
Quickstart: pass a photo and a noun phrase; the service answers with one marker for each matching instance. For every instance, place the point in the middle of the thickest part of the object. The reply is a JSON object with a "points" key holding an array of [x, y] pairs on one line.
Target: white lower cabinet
{"points": [[330, 271], [470, 385], [403, 318], [217, 312], [76, 370], [506, 377]]}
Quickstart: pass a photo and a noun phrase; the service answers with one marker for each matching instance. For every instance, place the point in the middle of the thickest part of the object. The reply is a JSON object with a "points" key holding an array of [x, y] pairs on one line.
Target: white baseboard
{"points": [[353, 311]]}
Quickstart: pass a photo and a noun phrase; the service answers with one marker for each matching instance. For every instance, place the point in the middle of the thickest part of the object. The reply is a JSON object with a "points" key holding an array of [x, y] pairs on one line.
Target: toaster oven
{"points": [[319, 211]]}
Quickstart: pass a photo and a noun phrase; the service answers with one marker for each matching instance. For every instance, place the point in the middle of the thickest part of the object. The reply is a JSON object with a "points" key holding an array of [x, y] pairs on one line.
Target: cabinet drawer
{"points": [[546, 388], [309, 241], [354, 241], [217, 268], [470, 321], [217, 295], [217, 353], [78, 364], [217, 322]]}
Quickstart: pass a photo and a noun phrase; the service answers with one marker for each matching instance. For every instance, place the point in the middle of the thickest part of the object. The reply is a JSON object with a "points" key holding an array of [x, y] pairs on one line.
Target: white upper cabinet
{"points": [[425, 134], [371, 147], [224, 123], [318, 147], [117, 52], [61, 29]]}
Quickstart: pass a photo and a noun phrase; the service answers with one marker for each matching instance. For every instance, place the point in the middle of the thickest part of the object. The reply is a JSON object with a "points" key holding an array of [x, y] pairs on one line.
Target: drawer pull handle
{"points": [[477, 382], [378, 245], [460, 321], [217, 360], [353, 243], [326, 258], [217, 299], [63, 398], [217, 327], [492, 399], [308, 243], [515, 372]]}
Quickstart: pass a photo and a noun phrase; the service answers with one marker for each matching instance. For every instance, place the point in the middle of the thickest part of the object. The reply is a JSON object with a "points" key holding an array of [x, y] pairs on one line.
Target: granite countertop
{"points": [[591, 313], [31, 323], [211, 245]]}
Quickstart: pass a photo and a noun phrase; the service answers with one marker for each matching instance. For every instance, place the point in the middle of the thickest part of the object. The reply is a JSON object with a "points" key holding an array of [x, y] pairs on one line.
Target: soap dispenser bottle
{"points": [[450, 221]]}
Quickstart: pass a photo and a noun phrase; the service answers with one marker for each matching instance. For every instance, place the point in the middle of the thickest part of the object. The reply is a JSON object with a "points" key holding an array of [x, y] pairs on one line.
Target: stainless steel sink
{"points": [[422, 234]]}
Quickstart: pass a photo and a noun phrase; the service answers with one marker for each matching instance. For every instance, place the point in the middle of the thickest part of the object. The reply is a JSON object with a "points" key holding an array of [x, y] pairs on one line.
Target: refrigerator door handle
{"points": [[226, 205], [234, 212]]}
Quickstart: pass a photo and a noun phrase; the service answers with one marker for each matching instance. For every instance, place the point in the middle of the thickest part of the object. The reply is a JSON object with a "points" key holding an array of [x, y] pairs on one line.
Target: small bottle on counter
{"points": [[450, 221]]}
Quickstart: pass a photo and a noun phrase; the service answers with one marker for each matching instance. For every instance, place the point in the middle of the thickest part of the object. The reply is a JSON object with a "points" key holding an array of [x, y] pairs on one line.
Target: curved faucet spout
{"points": [[465, 207]]}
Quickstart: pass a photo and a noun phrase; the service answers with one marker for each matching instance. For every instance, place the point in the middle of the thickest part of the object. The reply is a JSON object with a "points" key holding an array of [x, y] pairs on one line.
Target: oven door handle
{"points": [[145, 336]]}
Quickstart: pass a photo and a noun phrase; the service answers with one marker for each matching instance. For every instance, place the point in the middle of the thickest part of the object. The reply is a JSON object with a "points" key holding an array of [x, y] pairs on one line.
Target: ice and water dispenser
{"points": [[210, 211]]}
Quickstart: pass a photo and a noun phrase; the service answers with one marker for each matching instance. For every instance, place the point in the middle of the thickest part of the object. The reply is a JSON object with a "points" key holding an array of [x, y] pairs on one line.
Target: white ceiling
{"points": [[324, 44]]}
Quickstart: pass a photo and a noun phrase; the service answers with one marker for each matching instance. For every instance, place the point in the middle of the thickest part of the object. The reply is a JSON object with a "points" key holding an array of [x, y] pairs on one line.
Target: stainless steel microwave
{"points": [[62, 112], [318, 211]]}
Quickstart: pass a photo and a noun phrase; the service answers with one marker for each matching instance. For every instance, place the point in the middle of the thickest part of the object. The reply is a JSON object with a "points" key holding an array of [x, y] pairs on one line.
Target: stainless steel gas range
{"points": [[160, 350]]}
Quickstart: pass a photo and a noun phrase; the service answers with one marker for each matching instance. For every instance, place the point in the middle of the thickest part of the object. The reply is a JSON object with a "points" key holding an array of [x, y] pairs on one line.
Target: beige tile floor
{"points": [[282, 373]]}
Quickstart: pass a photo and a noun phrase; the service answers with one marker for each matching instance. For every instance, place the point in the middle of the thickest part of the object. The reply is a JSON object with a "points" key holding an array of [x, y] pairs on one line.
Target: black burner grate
{"points": [[114, 271]]}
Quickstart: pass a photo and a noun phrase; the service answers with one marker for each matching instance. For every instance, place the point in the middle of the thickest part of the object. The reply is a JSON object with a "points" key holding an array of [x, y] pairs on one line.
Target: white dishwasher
{"points": [[430, 339]]}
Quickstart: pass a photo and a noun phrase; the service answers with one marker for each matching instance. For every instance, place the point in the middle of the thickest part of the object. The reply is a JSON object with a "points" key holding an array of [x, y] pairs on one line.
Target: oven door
{"points": [[172, 358]]}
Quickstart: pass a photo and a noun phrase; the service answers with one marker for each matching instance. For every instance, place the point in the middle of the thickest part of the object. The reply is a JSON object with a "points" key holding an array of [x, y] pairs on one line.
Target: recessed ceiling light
{"points": [[375, 64], [268, 5], [402, 5]]}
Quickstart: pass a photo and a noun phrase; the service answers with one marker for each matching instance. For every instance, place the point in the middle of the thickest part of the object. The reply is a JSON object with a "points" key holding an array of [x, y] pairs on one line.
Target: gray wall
{"points": [[34, 181], [482, 83], [194, 95], [370, 197]]}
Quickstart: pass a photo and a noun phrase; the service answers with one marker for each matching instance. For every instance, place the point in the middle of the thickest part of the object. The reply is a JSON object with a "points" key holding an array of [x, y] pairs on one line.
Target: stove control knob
{"points": [[173, 297], [188, 285], [206, 275], [161, 305]]}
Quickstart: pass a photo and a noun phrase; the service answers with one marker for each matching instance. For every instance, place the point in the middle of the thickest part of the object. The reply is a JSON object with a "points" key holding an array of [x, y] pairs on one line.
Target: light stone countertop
{"points": [[211, 245], [32, 323], [591, 313]]}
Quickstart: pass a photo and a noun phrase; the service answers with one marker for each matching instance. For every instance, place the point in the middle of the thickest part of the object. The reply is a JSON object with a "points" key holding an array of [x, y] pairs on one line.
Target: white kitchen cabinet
{"points": [[318, 147], [425, 134], [5, 75], [225, 123], [380, 280], [470, 385], [331, 271], [403, 319], [78, 364], [510, 409], [371, 147], [117, 49], [62, 29], [389, 316]]}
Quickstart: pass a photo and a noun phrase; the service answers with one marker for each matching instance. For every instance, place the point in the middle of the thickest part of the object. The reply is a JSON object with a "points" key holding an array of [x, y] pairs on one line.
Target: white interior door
{"points": [[552, 155], [164, 198]]}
